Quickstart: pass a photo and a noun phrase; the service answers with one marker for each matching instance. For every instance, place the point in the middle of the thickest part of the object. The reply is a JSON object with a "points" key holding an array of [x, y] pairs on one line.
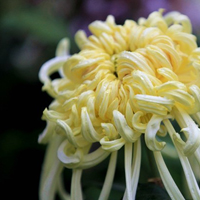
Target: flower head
{"points": [[126, 82]]}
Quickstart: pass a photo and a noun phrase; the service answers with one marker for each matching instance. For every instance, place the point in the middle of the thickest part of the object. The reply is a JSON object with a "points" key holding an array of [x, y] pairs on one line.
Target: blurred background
{"points": [[29, 33]]}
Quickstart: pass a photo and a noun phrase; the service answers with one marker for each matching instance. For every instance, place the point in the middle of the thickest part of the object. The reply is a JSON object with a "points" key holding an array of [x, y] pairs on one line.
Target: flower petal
{"points": [[51, 170], [109, 177], [154, 104], [168, 181], [68, 155], [150, 135], [87, 129], [190, 129], [112, 145], [123, 129]]}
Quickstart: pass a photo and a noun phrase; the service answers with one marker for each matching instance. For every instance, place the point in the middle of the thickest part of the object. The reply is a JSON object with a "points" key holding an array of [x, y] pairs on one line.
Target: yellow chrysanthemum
{"points": [[127, 81]]}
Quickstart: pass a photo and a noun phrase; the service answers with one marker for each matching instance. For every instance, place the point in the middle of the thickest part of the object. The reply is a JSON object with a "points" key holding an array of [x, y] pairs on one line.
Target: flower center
{"points": [[114, 61]]}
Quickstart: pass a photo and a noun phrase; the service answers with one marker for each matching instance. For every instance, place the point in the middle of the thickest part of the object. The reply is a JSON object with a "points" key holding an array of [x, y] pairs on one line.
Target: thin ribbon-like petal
{"points": [[51, 170], [136, 161], [112, 145], [191, 130], [47, 69], [77, 141], [190, 178], [94, 158], [150, 135], [48, 132], [109, 177], [168, 181], [87, 129], [123, 129], [128, 160], [69, 156], [76, 191]]}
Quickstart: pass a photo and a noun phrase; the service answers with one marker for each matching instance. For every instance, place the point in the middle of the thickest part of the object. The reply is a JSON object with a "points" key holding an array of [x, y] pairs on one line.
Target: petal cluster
{"points": [[127, 81]]}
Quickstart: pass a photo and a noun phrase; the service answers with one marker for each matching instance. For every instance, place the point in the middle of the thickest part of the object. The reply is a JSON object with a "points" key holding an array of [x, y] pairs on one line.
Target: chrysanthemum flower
{"points": [[127, 81]]}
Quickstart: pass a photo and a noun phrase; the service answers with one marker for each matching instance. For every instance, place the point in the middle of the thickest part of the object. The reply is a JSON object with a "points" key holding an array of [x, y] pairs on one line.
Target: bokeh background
{"points": [[29, 33]]}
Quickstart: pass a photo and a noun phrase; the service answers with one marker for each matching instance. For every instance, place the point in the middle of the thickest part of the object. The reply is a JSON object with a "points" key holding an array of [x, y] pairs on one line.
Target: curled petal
{"points": [[94, 158], [83, 67], [169, 86], [107, 42], [162, 131], [48, 132], [168, 74], [87, 129], [68, 155], [136, 122], [154, 104], [189, 175], [174, 57], [111, 107], [148, 36], [67, 105], [49, 68], [193, 141], [155, 19], [53, 115], [180, 96], [159, 56], [186, 41], [63, 48], [110, 21], [135, 37], [150, 135], [92, 112], [144, 80], [112, 145], [111, 142], [190, 129], [104, 104], [133, 61], [98, 27], [77, 141], [102, 87], [120, 42], [176, 17], [129, 113], [110, 130], [84, 98], [195, 91], [196, 117], [177, 138], [123, 129], [81, 39]]}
